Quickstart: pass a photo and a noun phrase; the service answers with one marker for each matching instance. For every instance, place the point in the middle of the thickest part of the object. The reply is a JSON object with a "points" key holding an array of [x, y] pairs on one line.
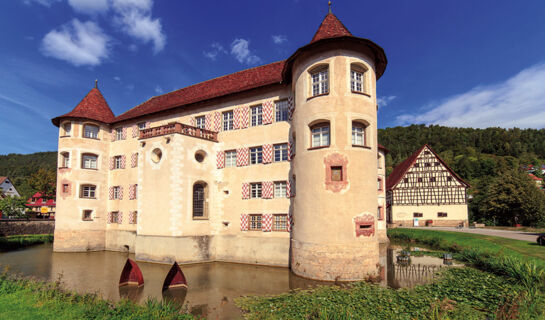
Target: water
{"points": [[212, 287]]}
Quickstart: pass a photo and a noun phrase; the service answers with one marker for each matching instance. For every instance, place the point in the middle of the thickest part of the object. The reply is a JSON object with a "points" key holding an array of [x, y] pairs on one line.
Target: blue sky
{"points": [[456, 63]]}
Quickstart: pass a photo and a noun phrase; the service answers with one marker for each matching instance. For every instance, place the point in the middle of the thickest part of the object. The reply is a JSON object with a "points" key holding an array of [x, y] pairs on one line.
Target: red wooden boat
{"points": [[131, 275], [175, 278]]}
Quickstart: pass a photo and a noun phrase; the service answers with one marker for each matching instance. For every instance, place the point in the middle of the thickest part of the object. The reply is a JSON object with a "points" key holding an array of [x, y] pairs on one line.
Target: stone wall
{"points": [[17, 227]]}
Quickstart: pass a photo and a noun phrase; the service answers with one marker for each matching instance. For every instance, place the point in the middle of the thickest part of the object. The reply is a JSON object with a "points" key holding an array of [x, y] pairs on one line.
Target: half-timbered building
{"points": [[424, 190]]}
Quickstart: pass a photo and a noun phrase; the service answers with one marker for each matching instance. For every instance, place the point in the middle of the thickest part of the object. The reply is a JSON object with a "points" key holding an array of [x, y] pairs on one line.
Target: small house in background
{"points": [[40, 207], [538, 181], [7, 188], [424, 191]]}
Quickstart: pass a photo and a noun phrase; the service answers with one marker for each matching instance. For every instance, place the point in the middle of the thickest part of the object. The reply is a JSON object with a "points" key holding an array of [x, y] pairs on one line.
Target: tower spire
{"points": [[329, 4], [96, 83]]}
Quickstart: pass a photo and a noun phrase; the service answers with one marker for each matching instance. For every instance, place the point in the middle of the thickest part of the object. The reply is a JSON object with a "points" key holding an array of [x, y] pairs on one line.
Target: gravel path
{"points": [[517, 235]]}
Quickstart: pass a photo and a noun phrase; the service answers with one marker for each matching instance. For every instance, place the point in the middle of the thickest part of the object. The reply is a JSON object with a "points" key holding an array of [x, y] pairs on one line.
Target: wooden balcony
{"points": [[179, 128]]}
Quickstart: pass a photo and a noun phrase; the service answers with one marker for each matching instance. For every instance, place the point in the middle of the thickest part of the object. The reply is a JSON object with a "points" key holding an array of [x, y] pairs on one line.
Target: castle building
{"points": [[424, 191], [274, 165]]}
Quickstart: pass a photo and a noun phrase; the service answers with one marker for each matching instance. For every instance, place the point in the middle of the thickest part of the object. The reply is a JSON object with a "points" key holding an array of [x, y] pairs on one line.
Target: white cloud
{"points": [[158, 89], [215, 51], [384, 101], [241, 51], [516, 102], [134, 18], [80, 43], [279, 39], [116, 78], [89, 6], [46, 3]]}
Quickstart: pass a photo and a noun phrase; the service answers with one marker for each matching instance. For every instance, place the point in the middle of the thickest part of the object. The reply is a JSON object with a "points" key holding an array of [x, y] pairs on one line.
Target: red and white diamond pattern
{"points": [[244, 222], [217, 121], [112, 163], [208, 121], [220, 160], [245, 191], [123, 162], [268, 190], [132, 191], [268, 111], [111, 193], [132, 217], [242, 157], [135, 131], [112, 135], [244, 117], [291, 108], [134, 160], [124, 133], [266, 222], [120, 217], [290, 222], [120, 193], [267, 153], [236, 118]]}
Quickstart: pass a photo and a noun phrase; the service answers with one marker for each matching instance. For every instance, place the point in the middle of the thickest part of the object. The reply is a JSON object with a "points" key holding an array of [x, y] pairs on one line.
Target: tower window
{"points": [[337, 173], [257, 115], [89, 161], [88, 191], [358, 134], [320, 135], [281, 110], [90, 131], [87, 215], [67, 127], [65, 160], [320, 82]]}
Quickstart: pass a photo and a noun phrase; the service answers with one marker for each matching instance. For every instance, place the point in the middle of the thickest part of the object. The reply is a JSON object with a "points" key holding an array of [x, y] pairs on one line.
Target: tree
{"points": [[13, 206], [514, 198], [44, 181]]}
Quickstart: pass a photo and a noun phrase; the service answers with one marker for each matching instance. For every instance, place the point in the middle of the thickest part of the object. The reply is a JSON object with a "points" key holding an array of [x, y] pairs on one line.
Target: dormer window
{"points": [[320, 81]]}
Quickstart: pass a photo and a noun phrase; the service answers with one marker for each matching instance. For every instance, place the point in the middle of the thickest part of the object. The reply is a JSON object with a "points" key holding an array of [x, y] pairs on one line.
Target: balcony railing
{"points": [[180, 128]]}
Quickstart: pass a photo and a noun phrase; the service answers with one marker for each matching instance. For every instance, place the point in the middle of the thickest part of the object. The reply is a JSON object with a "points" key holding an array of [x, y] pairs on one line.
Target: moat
{"points": [[212, 287]]}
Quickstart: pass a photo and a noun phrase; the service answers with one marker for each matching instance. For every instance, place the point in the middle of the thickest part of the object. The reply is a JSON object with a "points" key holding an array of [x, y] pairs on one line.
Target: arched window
{"points": [[89, 161], [65, 159], [320, 135], [358, 134], [357, 77], [67, 129], [90, 131], [200, 205], [379, 161], [319, 80]]}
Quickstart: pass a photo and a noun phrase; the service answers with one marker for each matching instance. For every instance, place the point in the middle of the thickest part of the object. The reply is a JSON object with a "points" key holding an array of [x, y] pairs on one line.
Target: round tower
{"points": [[334, 124]]}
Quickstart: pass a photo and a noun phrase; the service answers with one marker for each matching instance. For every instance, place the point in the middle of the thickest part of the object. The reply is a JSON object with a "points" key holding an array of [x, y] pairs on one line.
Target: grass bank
{"points": [[29, 299], [21, 241]]}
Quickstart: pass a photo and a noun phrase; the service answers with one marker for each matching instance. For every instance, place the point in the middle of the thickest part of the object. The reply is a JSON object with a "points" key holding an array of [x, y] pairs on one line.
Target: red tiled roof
{"points": [[534, 177], [331, 27], [402, 168], [383, 148], [40, 201], [92, 107], [232, 83], [2, 179]]}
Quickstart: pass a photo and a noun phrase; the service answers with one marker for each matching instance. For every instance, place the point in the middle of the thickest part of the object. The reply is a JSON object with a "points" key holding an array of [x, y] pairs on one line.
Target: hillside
{"points": [[19, 168]]}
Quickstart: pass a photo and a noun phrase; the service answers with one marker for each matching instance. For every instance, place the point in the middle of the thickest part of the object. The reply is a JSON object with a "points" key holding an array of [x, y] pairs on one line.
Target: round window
{"points": [[200, 155], [156, 155]]}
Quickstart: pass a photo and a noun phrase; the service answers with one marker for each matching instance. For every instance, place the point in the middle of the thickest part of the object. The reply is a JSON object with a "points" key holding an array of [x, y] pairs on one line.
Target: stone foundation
{"points": [[19, 227], [335, 262], [119, 240], [79, 241], [422, 223]]}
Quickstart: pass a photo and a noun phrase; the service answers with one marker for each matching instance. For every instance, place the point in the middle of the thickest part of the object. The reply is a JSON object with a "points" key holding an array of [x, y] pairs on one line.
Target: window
{"points": [[88, 191], [257, 115], [65, 160], [87, 215], [200, 122], [416, 165], [320, 82], [255, 222], [432, 179], [256, 155], [320, 135], [358, 134], [436, 164], [427, 152], [281, 110], [418, 215], [90, 131], [230, 158], [427, 164], [199, 200], [117, 192], [65, 188], [406, 180], [89, 161], [419, 180], [441, 214], [379, 184], [119, 134], [281, 152], [114, 218], [379, 162], [356, 80], [67, 127], [280, 189], [337, 173], [449, 178], [228, 121], [255, 190], [280, 222], [141, 125], [117, 162]]}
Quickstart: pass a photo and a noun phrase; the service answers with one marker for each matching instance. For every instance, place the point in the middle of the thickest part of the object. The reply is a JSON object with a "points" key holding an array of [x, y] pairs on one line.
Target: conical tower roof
{"points": [[331, 27], [92, 107]]}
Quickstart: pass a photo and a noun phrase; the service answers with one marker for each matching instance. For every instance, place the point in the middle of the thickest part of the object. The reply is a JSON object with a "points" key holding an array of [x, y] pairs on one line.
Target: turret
{"points": [[82, 179], [334, 234]]}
